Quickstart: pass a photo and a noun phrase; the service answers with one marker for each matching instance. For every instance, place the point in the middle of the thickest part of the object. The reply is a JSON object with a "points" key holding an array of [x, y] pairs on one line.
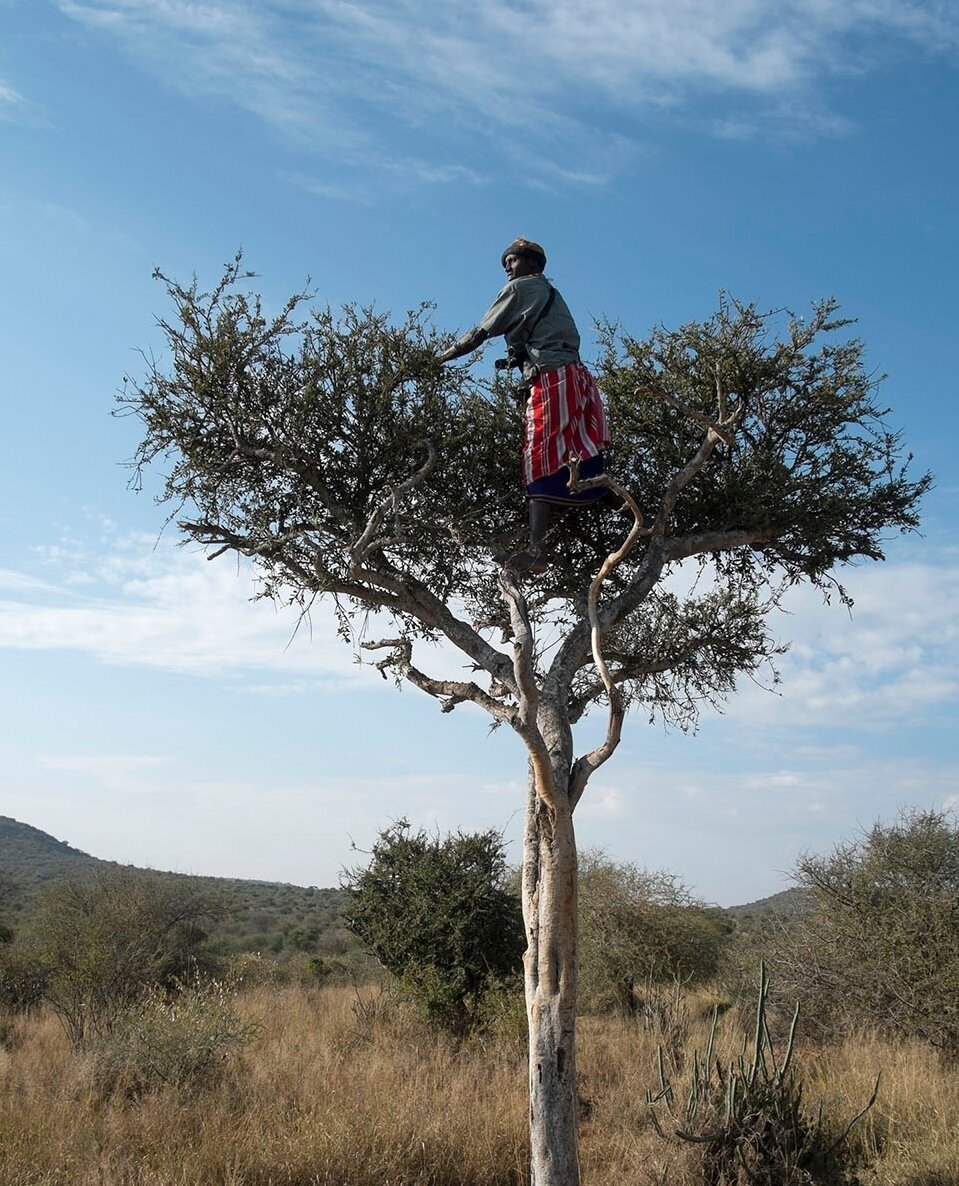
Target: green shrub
{"points": [[881, 946], [182, 1039], [437, 914]]}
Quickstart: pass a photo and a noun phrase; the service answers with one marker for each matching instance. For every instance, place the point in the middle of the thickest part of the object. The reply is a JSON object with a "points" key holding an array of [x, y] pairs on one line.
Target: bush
{"points": [[101, 937], [437, 914], [22, 979], [881, 947], [640, 927], [180, 1039]]}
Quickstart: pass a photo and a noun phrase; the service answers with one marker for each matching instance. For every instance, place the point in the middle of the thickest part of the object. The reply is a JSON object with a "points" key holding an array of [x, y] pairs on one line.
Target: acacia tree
{"points": [[351, 467]]}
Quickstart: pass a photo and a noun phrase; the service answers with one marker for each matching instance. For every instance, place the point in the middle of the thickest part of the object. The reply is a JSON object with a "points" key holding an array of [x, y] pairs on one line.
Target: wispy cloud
{"points": [[127, 773], [128, 603], [388, 80], [15, 108], [894, 658], [10, 101]]}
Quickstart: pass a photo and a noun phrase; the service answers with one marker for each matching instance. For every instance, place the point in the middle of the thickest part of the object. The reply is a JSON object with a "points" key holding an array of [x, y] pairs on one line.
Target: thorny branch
{"points": [[368, 542]]}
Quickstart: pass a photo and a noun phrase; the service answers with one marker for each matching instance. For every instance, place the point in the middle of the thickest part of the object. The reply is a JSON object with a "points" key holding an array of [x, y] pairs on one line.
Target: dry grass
{"points": [[328, 1098], [911, 1136]]}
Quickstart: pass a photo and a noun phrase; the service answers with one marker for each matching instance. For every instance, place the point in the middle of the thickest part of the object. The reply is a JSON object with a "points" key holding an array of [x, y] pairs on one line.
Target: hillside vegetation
{"points": [[263, 916]]}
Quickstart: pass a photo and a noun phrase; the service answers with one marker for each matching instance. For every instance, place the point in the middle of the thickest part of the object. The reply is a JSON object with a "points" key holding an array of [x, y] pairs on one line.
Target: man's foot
{"points": [[535, 561]]}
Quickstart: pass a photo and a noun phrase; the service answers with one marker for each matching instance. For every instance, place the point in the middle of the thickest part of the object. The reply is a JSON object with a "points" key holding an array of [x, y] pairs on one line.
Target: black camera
{"points": [[515, 357]]}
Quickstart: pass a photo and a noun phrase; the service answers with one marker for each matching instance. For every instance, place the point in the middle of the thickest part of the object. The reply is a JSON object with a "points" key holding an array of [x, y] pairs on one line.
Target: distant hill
{"points": [[787, 904], [270, 917], [30, 858]]}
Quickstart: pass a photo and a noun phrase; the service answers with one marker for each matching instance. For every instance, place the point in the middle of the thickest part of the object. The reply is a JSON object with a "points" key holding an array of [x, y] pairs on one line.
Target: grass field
{"points": [[337, 1090]]}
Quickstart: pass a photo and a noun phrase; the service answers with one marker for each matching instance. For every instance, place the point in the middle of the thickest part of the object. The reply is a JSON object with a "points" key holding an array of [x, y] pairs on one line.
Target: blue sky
{"points": [[389, 149]]}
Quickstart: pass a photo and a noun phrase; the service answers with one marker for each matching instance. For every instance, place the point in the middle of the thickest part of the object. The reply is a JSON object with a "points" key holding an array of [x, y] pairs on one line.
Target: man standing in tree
{"points": [[565, 419]]}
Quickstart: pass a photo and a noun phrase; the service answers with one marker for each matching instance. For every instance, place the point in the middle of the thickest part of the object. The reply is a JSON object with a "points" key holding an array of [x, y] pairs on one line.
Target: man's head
{"points": [[523, 257]]}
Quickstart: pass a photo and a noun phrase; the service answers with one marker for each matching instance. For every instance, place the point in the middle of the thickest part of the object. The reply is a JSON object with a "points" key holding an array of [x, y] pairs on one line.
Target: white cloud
{"points": [[129, 603], [325, 72], [606, 804], [133, 602], [10, 101], [114, 772], [15, 108], [894, 658]]}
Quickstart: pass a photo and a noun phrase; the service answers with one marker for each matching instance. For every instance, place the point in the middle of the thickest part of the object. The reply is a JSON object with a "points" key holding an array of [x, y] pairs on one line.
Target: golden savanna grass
{"points": [[328, 1095]]}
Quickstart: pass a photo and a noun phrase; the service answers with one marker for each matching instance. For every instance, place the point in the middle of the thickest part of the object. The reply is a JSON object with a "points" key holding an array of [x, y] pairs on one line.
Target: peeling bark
{"points": [[549, 911]]}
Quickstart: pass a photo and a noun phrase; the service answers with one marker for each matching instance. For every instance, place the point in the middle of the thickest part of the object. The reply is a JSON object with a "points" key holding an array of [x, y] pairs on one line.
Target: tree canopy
{"points": [[338, 453]]}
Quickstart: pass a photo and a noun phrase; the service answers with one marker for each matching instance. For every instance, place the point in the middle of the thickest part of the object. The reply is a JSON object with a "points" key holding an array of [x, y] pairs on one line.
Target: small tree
{"points": [[640, 927], [437, 914], [881, 946], [103, 937], [339, 455]]}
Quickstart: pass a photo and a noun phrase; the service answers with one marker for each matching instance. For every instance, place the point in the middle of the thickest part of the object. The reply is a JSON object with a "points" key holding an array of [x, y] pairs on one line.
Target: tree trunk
{"points": [[549, 912]]}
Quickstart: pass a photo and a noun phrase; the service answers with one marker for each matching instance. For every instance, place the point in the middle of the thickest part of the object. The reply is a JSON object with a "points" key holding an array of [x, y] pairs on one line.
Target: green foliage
{"points": [[437, 915], [882, 946], [103, 937], [748, 1117], [813, 462], [292, 428], [179, 1037], [335, 451], [640, 928]]}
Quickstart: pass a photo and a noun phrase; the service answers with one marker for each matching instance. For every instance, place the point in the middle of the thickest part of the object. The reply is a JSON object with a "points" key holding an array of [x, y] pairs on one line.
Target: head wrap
{"points": [[525, 247]]}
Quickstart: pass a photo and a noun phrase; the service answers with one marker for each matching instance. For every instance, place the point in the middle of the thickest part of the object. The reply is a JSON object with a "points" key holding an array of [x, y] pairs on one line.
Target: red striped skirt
{"points": [[565, 419]]}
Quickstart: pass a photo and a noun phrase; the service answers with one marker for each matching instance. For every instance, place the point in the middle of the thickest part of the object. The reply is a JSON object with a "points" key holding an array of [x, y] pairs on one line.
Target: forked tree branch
{"points": [[721, 430], [584, 766], [368, 541], [525, 723], [449, 692]]}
